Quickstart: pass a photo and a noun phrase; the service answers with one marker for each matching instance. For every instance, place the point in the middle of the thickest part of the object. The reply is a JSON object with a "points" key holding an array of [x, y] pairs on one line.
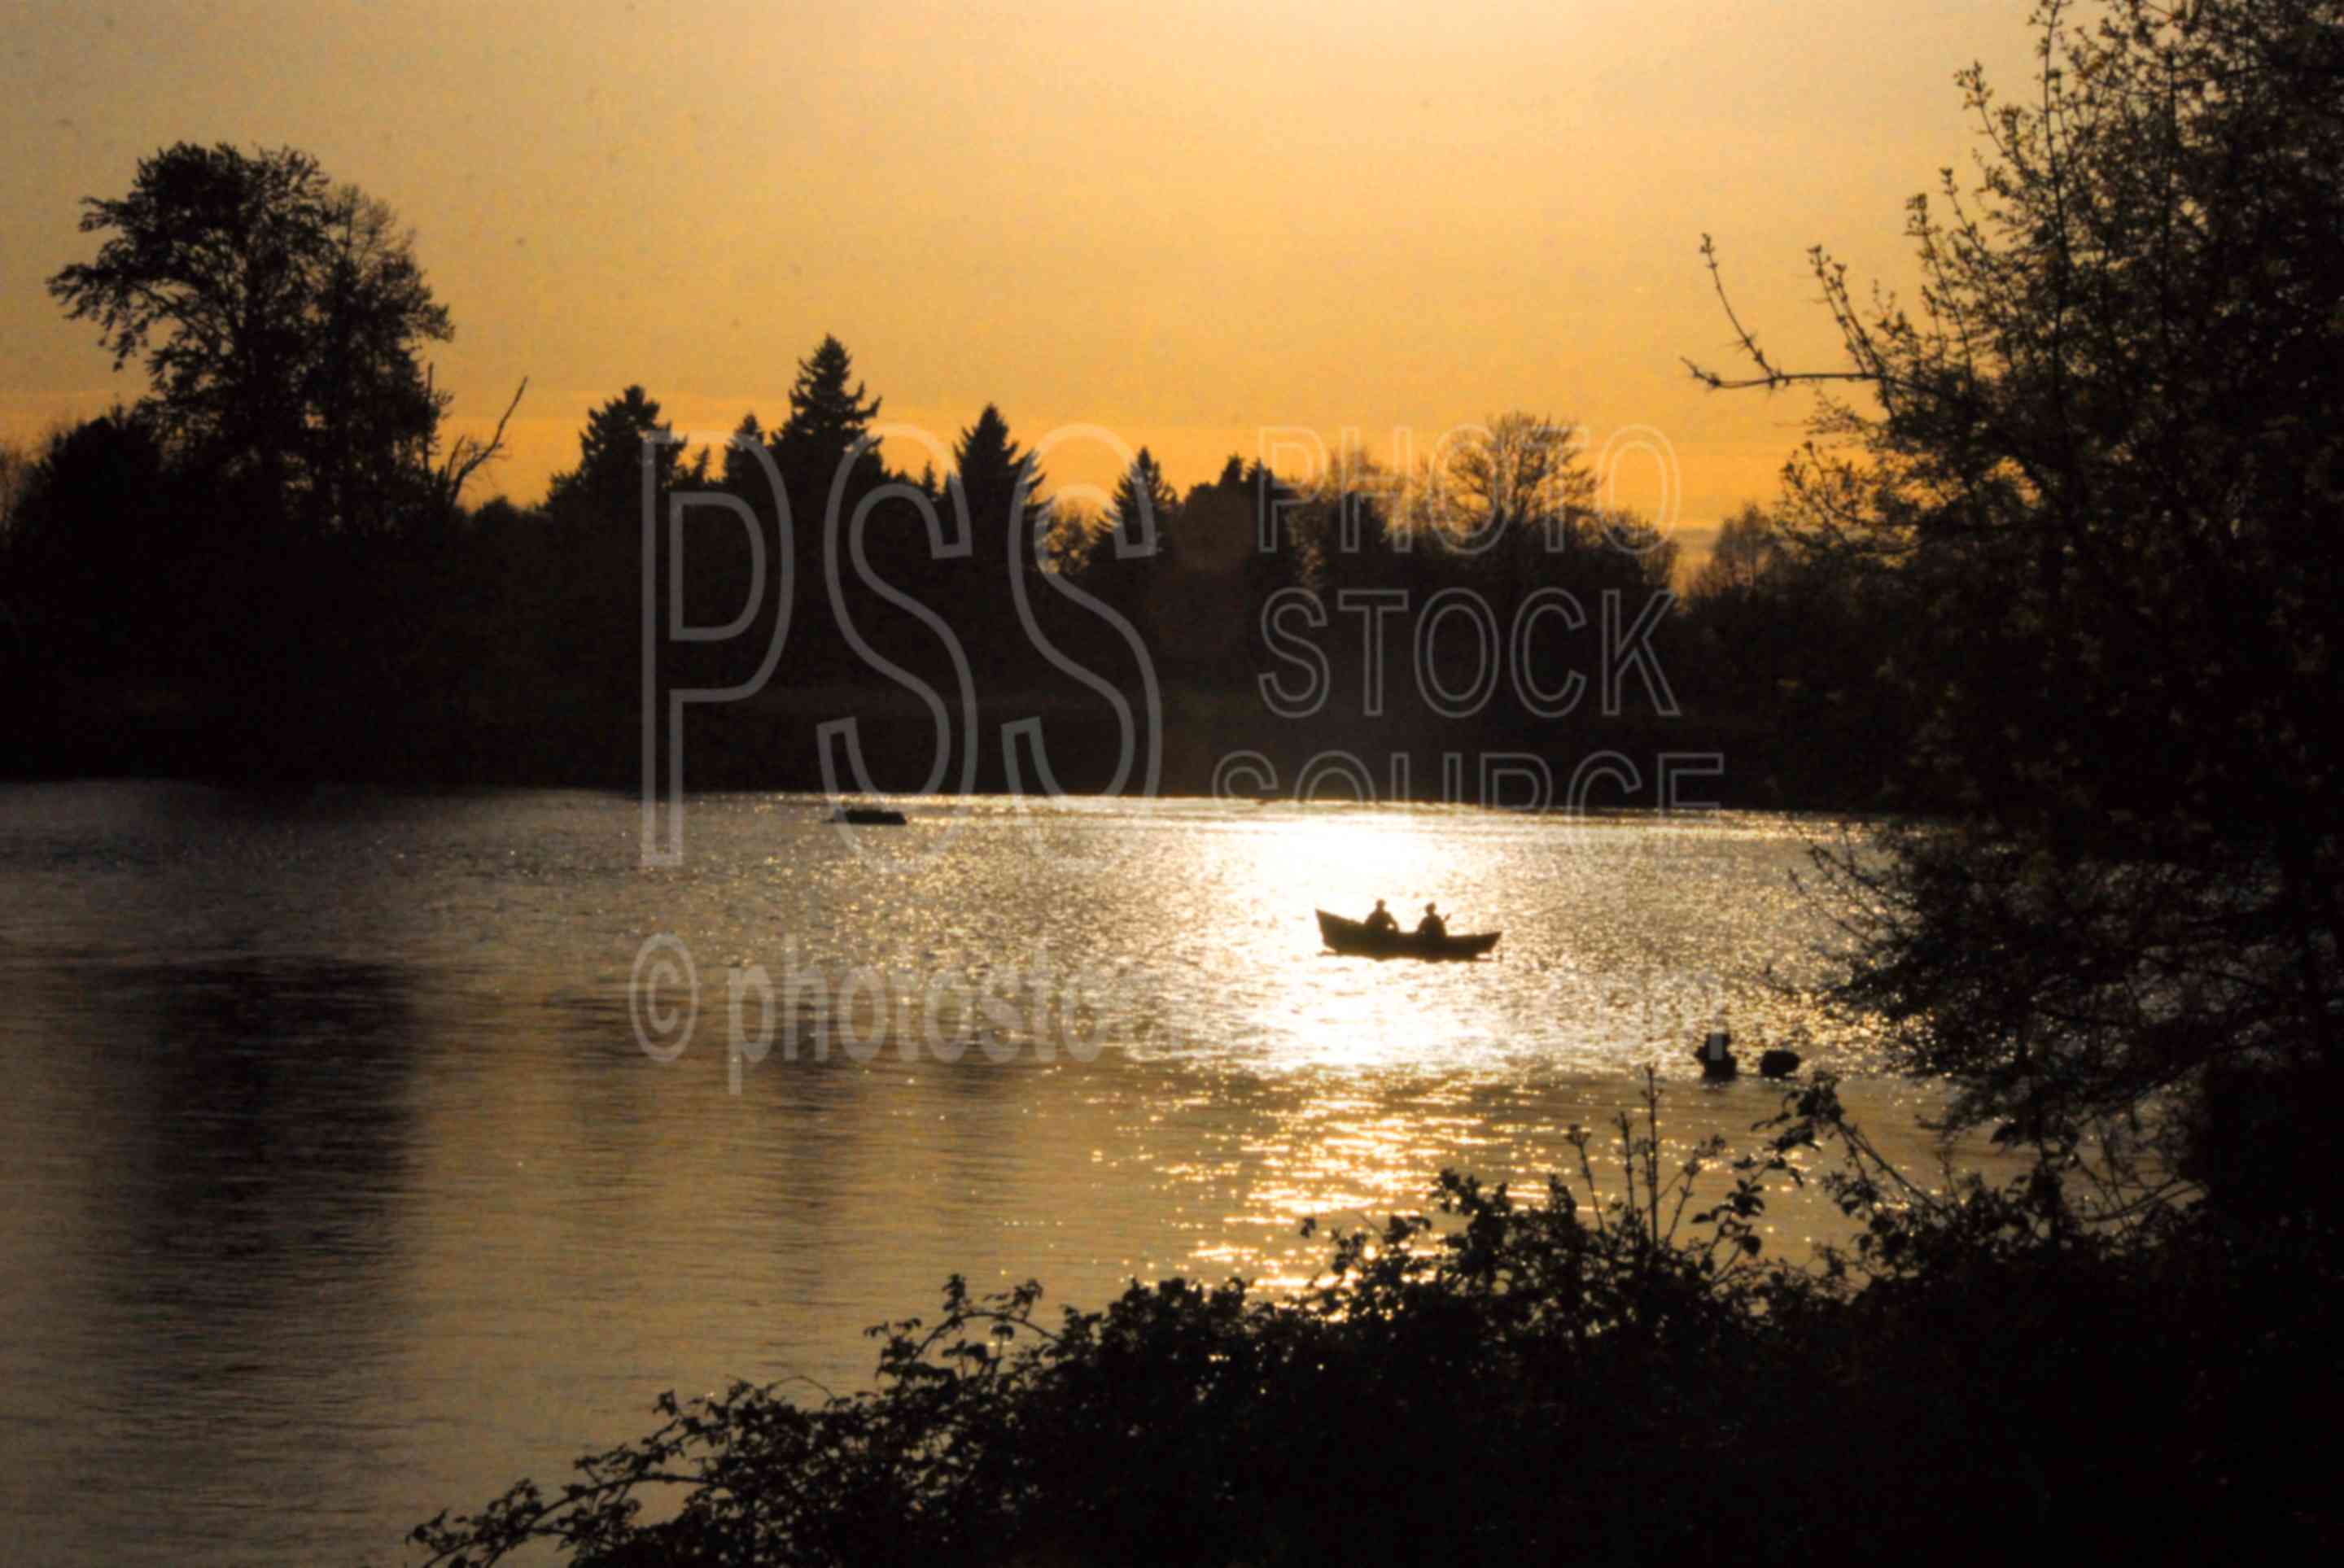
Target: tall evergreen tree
{"points": [[1001, 488], [598, 507], [830, 414], [1144, 502], [743, 474], [606, 486], [1133, 550], [990, 469]]}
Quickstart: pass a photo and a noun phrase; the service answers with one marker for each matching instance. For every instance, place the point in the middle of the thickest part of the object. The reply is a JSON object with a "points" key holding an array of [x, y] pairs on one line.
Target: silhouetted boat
{"points": [[1352, 937], [869, 816], [1718, 1062]]}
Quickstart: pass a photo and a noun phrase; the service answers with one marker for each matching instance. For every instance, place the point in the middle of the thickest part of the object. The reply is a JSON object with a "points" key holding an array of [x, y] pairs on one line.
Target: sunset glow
{"points": [[1185, 224]]}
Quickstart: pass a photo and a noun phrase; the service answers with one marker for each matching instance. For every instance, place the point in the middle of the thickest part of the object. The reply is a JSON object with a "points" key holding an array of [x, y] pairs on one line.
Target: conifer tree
{"points": [[606, 486], [830, 416]]}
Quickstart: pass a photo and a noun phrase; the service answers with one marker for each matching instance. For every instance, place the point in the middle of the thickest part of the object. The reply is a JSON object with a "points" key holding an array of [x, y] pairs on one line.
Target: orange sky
{"points": [[1180, 222]]}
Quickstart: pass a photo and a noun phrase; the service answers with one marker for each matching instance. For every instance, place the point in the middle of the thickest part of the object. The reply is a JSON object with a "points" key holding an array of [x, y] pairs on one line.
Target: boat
{"points": [[1719, 1064], [1357, 938], [869, 816]]}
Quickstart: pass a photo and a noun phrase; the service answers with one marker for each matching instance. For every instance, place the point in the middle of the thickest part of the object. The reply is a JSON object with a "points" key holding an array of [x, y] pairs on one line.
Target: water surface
{"points": [[341, 1185]]}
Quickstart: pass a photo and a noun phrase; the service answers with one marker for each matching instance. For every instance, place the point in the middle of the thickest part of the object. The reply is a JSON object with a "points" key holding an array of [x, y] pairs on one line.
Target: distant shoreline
{"points": [[129, 728]]}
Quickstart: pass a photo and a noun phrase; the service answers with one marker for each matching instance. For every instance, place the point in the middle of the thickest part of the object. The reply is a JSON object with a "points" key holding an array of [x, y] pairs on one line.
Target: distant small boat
{"points": [[1719, 1064], [1355, 937], [869, 816]]}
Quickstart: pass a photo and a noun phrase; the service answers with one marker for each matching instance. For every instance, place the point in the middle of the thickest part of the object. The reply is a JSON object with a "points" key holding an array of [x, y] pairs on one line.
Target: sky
{"points": [[1204, 228]]}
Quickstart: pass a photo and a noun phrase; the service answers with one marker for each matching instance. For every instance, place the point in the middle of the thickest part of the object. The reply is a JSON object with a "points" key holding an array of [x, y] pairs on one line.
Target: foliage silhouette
{"points": [[280, 320], [2093, 490], [828, 424], [282, 567], [1617, 1377]]}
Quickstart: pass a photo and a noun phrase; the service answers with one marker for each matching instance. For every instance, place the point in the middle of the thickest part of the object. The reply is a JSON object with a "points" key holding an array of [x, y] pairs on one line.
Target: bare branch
{"points": [[467, 454], [1770, 375]]}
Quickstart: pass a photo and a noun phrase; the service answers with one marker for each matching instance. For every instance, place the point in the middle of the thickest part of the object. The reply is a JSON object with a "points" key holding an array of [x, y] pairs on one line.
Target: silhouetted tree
{"points": [[2098, 474], [596, 511], [1285, 563], [375, 413], [743, 475], [1204, 603], [826, 461], [280, 320], [605, 490], [1740, 561], [1644, 559], [15, 469], [1516, 497], [1127, 558], [1002, 489], [1518, 474], [1134, 536], [102, 574], [820, 446], [1346, 522], [1141, 494], [15, 602], [992, 476]]}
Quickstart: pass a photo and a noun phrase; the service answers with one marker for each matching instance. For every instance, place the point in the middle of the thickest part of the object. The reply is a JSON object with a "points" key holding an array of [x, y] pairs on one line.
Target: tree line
{"points": [[276, 539]]}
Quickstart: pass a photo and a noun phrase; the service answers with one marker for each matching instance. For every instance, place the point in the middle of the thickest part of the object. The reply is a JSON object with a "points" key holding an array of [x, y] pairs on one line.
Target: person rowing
{"points": [[1381, 920], [1432, 926]]}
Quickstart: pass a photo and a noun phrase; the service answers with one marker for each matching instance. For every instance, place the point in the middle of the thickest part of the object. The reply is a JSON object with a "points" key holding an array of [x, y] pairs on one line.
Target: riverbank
{"points": [[1199, 742], [1598, 1374]]}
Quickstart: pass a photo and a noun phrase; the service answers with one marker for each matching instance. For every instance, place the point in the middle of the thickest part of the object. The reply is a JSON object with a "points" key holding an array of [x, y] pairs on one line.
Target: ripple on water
{"points": [[349, 1179]]}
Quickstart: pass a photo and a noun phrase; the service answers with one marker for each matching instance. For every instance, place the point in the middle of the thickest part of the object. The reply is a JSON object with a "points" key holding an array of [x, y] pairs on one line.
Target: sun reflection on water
{"points": [[1247, 1080], [398, 1032]]}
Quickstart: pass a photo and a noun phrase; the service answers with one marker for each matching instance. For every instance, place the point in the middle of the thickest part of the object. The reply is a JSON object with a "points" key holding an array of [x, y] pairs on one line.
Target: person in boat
{"points": [[1717, 1055], [1382, 921], [1432, 926]]}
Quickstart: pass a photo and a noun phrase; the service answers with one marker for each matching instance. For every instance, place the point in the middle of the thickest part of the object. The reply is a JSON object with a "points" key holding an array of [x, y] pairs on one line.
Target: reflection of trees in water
{"points": [[223, 1304], [268, 1124], [828, 1089]]}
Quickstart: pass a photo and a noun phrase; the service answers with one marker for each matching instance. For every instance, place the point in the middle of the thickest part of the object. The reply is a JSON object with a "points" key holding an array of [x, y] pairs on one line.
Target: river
{"points": [[366, 1150]]}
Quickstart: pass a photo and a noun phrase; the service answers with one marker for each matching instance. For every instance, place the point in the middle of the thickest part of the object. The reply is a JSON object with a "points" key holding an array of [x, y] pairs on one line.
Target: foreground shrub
{"points": [[1586, 1378]]}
